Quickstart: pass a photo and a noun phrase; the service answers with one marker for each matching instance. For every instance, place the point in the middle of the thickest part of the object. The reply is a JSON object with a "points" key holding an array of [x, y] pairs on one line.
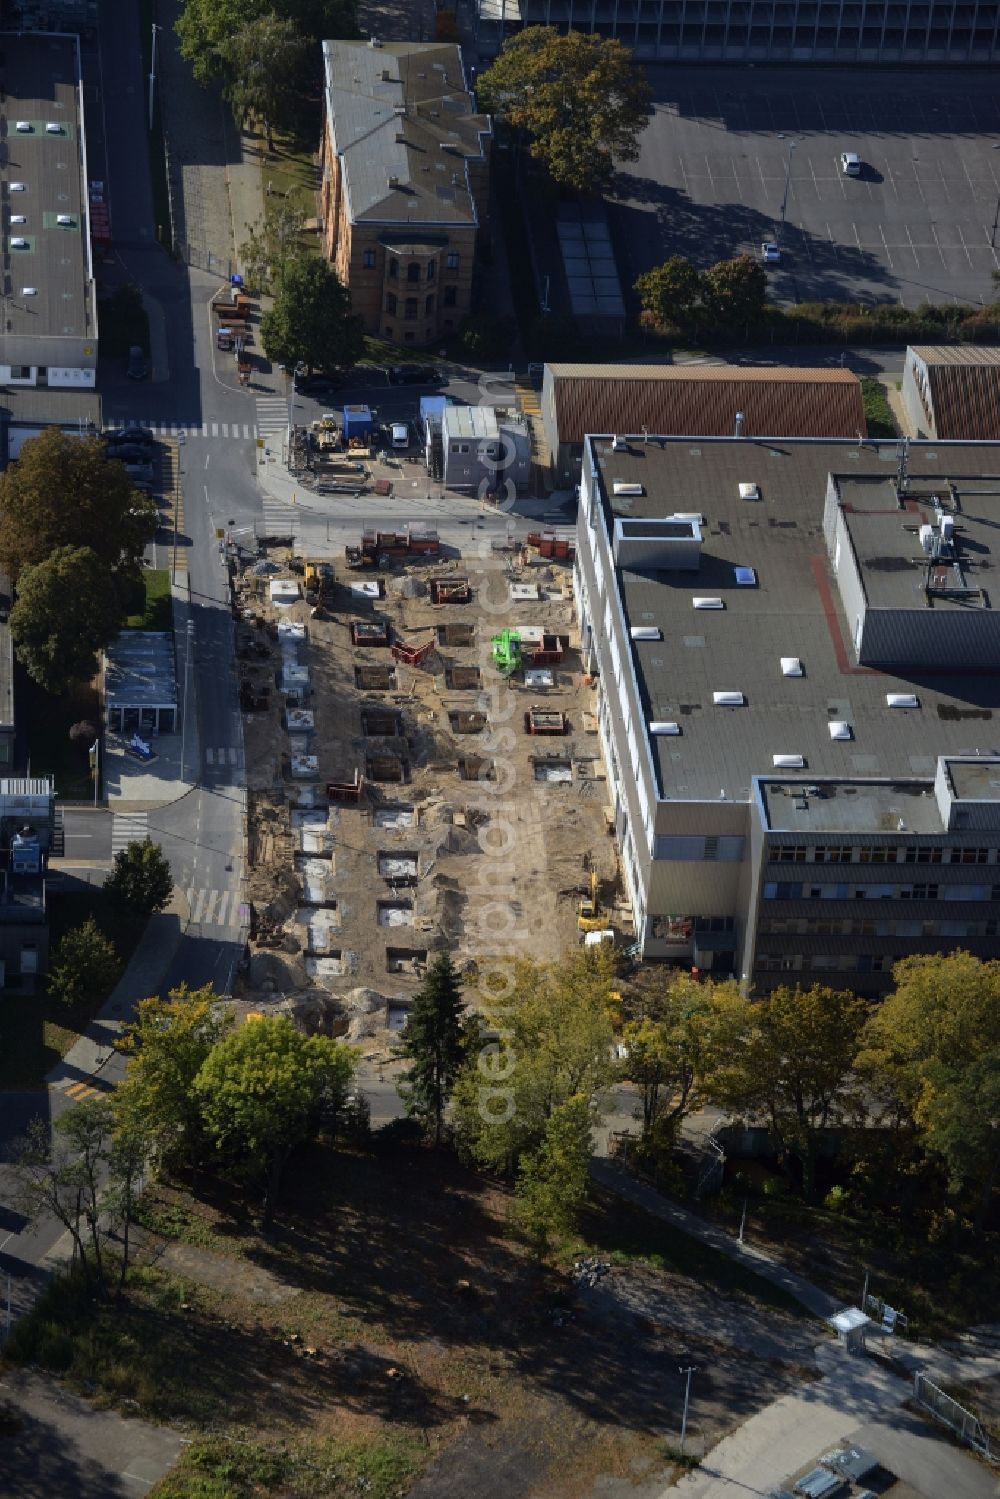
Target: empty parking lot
{"points": [[917, 225]]}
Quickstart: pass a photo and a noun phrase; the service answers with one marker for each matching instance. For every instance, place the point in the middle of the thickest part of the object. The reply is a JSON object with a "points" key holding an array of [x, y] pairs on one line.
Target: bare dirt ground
{"points": [[468, 831], [391, 1305]]}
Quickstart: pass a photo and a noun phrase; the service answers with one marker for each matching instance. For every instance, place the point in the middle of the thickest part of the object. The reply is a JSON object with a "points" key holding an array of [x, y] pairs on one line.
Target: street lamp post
{"points": [[152, 75], [996, 221], [691, 1369], [784, 200]]}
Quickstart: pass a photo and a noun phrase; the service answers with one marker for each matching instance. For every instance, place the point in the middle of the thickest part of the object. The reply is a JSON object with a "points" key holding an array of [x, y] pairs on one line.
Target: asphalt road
{"points": [[915, 226]]}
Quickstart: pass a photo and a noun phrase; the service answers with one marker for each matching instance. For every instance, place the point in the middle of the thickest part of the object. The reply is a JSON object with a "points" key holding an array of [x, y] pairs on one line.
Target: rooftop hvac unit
{"points": [[927, 539], [18, 187], [29, 291], [839, 729], [18, 243], [661, 727], [65, 220], [947, 528], [749, 491], [633, 489], [23, 127], [619, 445], [704, 603], [646, 632], [902, 700], [791, 666], [728, 699], [53, 128], [788, 762], [18, 218]]}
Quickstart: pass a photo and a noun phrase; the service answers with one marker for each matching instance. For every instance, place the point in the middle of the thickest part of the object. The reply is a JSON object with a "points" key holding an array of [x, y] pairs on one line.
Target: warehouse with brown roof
{"points": [[693, 401], [952, 392]]}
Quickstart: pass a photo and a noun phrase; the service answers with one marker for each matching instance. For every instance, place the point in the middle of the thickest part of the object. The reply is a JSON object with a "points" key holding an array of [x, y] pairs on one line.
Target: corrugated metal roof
{"points": [[677, 400], [964, 387]]}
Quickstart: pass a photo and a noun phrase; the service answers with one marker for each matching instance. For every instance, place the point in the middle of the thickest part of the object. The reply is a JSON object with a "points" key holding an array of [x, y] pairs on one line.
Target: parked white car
{"points": [[770, 253], [850, 163]]}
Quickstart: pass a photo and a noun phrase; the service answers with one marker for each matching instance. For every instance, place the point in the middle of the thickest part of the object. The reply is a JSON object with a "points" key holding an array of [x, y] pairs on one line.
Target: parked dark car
{"points": [[412, 374], [128, 452], [136, 363], [129, 434], [316, 385]]}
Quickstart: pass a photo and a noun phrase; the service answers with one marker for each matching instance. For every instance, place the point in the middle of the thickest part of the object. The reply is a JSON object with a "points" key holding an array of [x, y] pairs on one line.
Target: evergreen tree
{"points": [[435, 1043]]}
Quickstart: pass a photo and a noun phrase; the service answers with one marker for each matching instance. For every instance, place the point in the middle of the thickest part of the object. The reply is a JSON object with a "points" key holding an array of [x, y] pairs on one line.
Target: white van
{"points": [[400, 435]]}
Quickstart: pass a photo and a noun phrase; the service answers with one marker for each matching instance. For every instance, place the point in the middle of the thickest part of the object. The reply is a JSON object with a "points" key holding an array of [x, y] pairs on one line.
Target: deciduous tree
{"points": [[933, 1046], [434, 1043], [263, 61], [579, 97], [85, 967], [273, 241], [141, 879], [552, 1179], [63, 493], [548, 1038], [791, 1067], [205, 26], [311, 322], [266, 1088], [734, 291], [65, 612], [674, 1050], [669, 292], [166, 1045]]}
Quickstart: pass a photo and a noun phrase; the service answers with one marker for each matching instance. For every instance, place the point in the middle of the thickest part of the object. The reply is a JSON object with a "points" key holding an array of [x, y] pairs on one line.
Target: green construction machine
{"points": [[506, 651]]}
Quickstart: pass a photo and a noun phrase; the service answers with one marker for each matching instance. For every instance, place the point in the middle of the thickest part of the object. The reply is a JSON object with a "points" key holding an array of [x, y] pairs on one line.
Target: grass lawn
{"points": [[292, 174], [388, 1325], [878, 412], [47, 722], [35, 1034], [155, 612]]}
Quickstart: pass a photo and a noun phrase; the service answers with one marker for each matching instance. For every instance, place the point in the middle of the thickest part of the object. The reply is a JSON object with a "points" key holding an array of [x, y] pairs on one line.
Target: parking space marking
{"points": [[857, 237], [965, 246], [913, 247], [711, 179], [944, 184], [885, 246], [892, 178], [916, 179], [687, 185], [937, 245]]}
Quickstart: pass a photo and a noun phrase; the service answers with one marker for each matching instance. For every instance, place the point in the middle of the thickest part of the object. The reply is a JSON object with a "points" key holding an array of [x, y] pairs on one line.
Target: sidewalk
{"points": [[813, 1298], [142, 977]]}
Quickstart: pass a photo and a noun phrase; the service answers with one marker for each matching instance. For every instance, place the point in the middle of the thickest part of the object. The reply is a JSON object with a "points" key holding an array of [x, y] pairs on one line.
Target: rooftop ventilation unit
{"points": [[746, 577], [53, 128], [788, 762], [839, 729], [18, 242], [29, 291], [646, 632], [65, 220], [663, 728], [791, 666], [694, 515], [619, 445], [728, 699], [749, 491], [621, 488], [947, 528], [928, 538], [706, 603], [18, 187], [23, 127], [18, 218], [902, 700]]}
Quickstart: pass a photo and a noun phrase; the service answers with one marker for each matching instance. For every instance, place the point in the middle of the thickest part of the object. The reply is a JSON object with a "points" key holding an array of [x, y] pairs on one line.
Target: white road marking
{"points": [[913, 247], [888, 256]]}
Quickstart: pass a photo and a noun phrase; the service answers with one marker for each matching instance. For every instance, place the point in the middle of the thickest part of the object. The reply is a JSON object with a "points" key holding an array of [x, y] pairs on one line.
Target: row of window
{"points": [[847, 853], [816, 927], [820, 962], [714, 924], [796, 890], [411, 304], [452, 261]]}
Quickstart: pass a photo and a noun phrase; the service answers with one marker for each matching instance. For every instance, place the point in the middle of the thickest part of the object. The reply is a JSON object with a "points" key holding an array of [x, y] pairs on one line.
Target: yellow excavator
{"points": [[590, 918]]}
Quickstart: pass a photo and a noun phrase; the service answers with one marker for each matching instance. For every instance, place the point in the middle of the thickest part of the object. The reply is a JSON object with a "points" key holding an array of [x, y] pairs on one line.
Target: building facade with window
{"points": [[835, 31], [798, 698], [405, 189], [48, 335]]}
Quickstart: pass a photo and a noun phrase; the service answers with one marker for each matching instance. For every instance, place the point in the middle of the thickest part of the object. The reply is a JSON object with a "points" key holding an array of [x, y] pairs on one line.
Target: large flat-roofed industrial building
{"points": [[940, 31], [797, 647], [48, 333]]}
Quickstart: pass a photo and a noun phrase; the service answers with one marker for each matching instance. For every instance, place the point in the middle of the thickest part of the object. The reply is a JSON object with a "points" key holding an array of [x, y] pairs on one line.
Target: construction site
{"points": [[423, 771]]}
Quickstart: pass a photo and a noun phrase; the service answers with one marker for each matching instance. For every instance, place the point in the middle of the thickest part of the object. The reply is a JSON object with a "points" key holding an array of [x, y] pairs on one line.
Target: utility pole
{"points": [[743, 1222], [691, 1369], [784, 201], [996, 221], [152, 76]]}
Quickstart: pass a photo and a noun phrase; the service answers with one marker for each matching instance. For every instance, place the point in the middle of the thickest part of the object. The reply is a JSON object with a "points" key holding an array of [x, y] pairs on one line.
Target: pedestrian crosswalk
{"points": [[79, 1092], [272, 416], [280, 519], [223, 756], [128, 827], [214, 907], [238, 431]]}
